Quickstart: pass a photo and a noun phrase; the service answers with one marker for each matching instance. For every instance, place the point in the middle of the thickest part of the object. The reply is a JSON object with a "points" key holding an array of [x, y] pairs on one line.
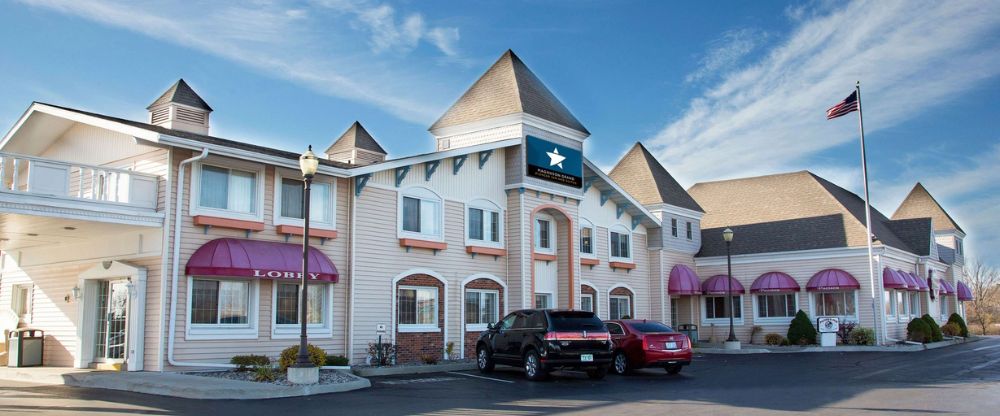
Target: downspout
{"points": [[166, 259], [352, 203], [880, 290]]}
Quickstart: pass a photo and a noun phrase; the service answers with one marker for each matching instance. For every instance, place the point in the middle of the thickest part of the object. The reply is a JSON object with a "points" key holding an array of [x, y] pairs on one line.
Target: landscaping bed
{"points": [[280, 378]]}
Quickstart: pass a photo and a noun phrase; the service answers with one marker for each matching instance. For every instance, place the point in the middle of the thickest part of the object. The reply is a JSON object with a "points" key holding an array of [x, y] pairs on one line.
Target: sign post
{"points": [[828, 327]]}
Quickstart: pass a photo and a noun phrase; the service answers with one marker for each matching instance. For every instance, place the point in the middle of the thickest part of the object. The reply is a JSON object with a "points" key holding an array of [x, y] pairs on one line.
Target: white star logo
{"points": [[555, 159]]}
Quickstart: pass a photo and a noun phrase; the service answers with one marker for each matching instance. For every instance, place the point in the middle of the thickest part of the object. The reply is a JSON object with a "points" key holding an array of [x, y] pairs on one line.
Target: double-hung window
{"points": [[619, 307], [286, 309], [484, 224], [288, 201], [715, 308], [222, 307], [20, 301], [482, 307], [915, 303], [777, 305], [620, 244], [229, 191], [544, 235], [586, 238], [417, 308], [890, 303], [673, 227], [901, 303], [421, 214], [587, 302], [690, 231]]}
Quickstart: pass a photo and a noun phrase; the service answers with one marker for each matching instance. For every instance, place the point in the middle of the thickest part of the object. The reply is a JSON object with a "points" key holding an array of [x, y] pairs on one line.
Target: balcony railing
{"points": [[44, 177]]}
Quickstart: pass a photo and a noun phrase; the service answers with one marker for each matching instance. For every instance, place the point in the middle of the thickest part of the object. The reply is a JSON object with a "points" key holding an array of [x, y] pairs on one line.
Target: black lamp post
{"points": [[728, 236], [308, 164]]}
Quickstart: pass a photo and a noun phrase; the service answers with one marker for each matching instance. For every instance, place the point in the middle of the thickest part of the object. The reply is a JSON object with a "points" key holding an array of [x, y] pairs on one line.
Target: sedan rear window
{"points": [[576, 321], [651, 327]]}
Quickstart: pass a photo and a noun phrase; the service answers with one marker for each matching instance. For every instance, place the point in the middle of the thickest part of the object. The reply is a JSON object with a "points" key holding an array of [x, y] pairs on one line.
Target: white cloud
{"points": [[313, 46], [727, 51]]}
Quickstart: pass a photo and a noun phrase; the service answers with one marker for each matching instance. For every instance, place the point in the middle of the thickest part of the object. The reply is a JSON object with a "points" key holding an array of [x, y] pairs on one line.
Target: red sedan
{"points": [[642, 344]]}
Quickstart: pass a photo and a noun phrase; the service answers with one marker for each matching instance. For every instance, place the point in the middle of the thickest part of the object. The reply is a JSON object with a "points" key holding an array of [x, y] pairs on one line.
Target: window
{"points": [[421, 214], [543, 300], [690, 231], [915, 303], [901, 303], [715, 307], [544, 231], [835, 304], [286, 310], [482, 307], [20, 301], [614, 329], [220, 302], [586, 238], [890, 303], [484, 223], [674, 311], [418, 308], [225, 189], [288, 201], [673, 227], [781, 305], [620, 307], [619, 244], [958, 246], [587, 302]]}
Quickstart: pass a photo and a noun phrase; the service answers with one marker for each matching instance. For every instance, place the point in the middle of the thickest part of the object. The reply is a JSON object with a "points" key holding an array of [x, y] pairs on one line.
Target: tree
{"points": [[984, 281]]}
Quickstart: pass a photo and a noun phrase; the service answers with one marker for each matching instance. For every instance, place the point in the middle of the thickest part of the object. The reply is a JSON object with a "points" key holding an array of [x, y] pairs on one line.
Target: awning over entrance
{"points": [[774, 282], [892, 279], [947, 288], [964, 293], [832, 279], [916, 284], [683, 281], [258, 259], [716, 285]]}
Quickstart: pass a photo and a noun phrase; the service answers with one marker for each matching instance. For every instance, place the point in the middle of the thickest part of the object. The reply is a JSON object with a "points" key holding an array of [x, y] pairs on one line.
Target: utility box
{"points": [[25, 348], [691, 330], [828, 327]]}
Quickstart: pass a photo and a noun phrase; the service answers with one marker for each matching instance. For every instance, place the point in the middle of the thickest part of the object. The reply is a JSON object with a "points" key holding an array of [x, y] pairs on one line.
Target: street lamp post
{"points": [[731, 342], [304, 372]]}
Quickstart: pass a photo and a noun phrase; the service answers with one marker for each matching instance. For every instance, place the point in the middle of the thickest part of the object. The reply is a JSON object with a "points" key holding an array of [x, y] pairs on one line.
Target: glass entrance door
{"points": [[112, 321]]}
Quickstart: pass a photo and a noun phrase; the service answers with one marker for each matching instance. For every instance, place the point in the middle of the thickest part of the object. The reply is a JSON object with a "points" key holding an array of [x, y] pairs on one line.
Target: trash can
{"points": [[25, 348], [691, 330]]}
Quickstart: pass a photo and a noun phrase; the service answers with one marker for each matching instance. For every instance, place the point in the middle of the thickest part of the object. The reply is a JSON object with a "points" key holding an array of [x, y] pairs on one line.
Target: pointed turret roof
{"points": [[181, 93], [642, 176], [356, 137], [920, 204], [508, 87]]}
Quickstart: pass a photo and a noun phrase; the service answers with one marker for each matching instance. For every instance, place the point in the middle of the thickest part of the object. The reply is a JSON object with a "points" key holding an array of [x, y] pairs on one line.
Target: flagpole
{"points": [[868, 220]]}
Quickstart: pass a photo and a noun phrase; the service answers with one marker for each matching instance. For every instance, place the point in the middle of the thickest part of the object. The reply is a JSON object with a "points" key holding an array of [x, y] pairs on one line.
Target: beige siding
{"points": [[604, 278], [470, 182]]}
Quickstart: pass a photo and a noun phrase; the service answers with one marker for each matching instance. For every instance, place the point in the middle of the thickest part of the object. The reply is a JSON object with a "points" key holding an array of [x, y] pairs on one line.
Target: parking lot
{"points": [[960, 379]]}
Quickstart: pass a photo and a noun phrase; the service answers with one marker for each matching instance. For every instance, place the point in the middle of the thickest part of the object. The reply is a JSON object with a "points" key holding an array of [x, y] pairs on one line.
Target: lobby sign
{"points": [[554, 162], [277, 274]]}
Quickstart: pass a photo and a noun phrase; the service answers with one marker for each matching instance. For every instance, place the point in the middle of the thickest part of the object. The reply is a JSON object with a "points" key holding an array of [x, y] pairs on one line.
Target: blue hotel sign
{"points": [[554, 162]]}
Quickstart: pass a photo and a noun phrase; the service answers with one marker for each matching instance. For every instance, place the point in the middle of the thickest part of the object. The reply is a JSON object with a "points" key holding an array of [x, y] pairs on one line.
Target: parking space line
{"points": [[987, 364], [484, 378], [986, 348]]}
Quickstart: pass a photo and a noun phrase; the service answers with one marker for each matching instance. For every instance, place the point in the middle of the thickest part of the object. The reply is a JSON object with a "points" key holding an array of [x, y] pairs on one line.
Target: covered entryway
{"points": [[113, 313]]}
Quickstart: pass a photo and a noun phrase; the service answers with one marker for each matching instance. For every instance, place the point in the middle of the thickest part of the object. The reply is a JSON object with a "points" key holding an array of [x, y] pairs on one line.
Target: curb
{"points": [[848, 348], [412, 369]]}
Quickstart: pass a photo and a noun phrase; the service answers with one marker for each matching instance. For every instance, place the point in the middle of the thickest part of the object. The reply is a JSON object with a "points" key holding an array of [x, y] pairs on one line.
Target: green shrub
{"points": [[951, 329], [263, 373], [918, 331], [428, 359], [801, 331], [862, 336], [936, 334], [337, 360], [288, 357], [784, 342], [246, 362], [957, 319], [773, 339]]}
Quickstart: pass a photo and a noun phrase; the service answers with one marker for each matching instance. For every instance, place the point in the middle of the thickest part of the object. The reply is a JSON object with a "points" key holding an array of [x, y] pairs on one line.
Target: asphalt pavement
{"points": [[964, 379]]}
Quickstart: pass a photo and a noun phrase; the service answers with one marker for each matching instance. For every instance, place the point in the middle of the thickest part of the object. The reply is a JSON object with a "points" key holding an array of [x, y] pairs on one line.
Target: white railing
{"points": [[40, 176]]}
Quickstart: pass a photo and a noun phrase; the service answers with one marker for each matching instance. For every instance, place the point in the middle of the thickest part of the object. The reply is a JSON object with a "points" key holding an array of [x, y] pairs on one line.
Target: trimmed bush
{"points": [[288, 357], [918, 331], [784, 342], [801, 331], [936, 334], [773, 339], [862, 336], [957, 319], [263, 373], [428, 359], [246, 362], [337, 360], [951, 329], [845, 331]]}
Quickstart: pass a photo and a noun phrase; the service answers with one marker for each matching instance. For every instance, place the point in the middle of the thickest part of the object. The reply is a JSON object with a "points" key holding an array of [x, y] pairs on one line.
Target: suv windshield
{"points": [[651, 327], [576, 321]]}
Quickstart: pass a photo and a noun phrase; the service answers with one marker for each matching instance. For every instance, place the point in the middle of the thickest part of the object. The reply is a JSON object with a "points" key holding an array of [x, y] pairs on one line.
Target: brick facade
{"points": [[472, 336], [621, 291], [411, 346]]}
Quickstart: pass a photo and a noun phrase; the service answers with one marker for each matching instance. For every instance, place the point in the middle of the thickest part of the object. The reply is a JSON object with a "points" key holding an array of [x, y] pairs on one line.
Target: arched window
{"points": [[620, 243], [421, 214]]}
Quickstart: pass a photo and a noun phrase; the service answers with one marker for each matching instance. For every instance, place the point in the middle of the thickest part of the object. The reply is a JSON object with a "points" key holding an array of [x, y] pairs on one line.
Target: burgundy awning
{"points": [[964, 293], [716, 285], [832, 279], [232, 257], [892, 279], [683, 281], [774, 282], [947, 288], [917, 284]]}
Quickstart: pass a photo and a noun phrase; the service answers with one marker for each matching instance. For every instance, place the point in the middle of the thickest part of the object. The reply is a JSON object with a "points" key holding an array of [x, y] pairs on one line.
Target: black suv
{"points": [[542, 340]]}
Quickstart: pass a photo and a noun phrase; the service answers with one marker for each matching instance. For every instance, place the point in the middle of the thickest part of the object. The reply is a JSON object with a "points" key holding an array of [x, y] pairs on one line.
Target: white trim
{"points": [[628, 197], [775, 320], [508, 120], [817, 254], [135, 317], [553, 229], [427, 272], [198, 332], [258, 169], [293, 331], [488, 207], [427, 157], [585, 223], [621, 229], [423, 194], [542, 189], [281, 173], [722, 321], [675, 210]]}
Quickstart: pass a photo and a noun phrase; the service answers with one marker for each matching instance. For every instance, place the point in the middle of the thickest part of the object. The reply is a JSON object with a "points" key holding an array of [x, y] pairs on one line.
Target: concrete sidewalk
{"points": [[174, 384], [771, 349]]}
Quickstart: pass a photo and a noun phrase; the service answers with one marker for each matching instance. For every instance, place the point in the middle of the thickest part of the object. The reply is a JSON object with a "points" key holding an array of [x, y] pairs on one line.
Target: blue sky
{"points": [[715, 90]]}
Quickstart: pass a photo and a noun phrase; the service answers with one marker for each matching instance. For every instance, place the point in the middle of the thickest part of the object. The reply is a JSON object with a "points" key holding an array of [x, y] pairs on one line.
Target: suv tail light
{"points": [[577, 336]]}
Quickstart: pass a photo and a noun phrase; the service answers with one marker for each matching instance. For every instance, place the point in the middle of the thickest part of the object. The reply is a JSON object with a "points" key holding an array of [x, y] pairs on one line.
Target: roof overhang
{"points": [[428, 157], [507, 120], [619, 196]]}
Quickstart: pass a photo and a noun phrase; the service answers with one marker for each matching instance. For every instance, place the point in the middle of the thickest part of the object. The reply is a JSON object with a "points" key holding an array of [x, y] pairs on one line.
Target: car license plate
{"points": [[671, 345], [587, 358]]}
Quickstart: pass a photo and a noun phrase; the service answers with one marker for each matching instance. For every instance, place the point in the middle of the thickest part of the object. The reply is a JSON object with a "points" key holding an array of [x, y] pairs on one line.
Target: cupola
{"points": [[180, 108], [356, 147]]}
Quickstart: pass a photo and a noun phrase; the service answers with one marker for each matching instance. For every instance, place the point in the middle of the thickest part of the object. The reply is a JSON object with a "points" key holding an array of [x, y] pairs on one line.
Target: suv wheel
{"points": [[533, 366], [620, 363], [598, 373], [484, 360]]}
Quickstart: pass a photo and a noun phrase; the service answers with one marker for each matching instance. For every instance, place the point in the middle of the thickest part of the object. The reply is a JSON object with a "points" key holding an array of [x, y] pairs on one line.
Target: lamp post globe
{"points": [[731, 342], [304, 371]]}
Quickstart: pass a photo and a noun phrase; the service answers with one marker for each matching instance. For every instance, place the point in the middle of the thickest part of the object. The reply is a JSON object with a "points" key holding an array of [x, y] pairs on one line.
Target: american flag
{"points": [[848, 105]]}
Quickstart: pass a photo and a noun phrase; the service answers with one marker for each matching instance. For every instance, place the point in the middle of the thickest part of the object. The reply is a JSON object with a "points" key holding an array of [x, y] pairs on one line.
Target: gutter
{"points": [[352, 202]]}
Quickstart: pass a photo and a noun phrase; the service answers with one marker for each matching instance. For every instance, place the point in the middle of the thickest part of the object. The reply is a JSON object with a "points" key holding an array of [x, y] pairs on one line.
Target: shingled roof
{"points": [[181, 93], [508, 87], [355, 137], [919, 203], [642, 176], [796, 211]]}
